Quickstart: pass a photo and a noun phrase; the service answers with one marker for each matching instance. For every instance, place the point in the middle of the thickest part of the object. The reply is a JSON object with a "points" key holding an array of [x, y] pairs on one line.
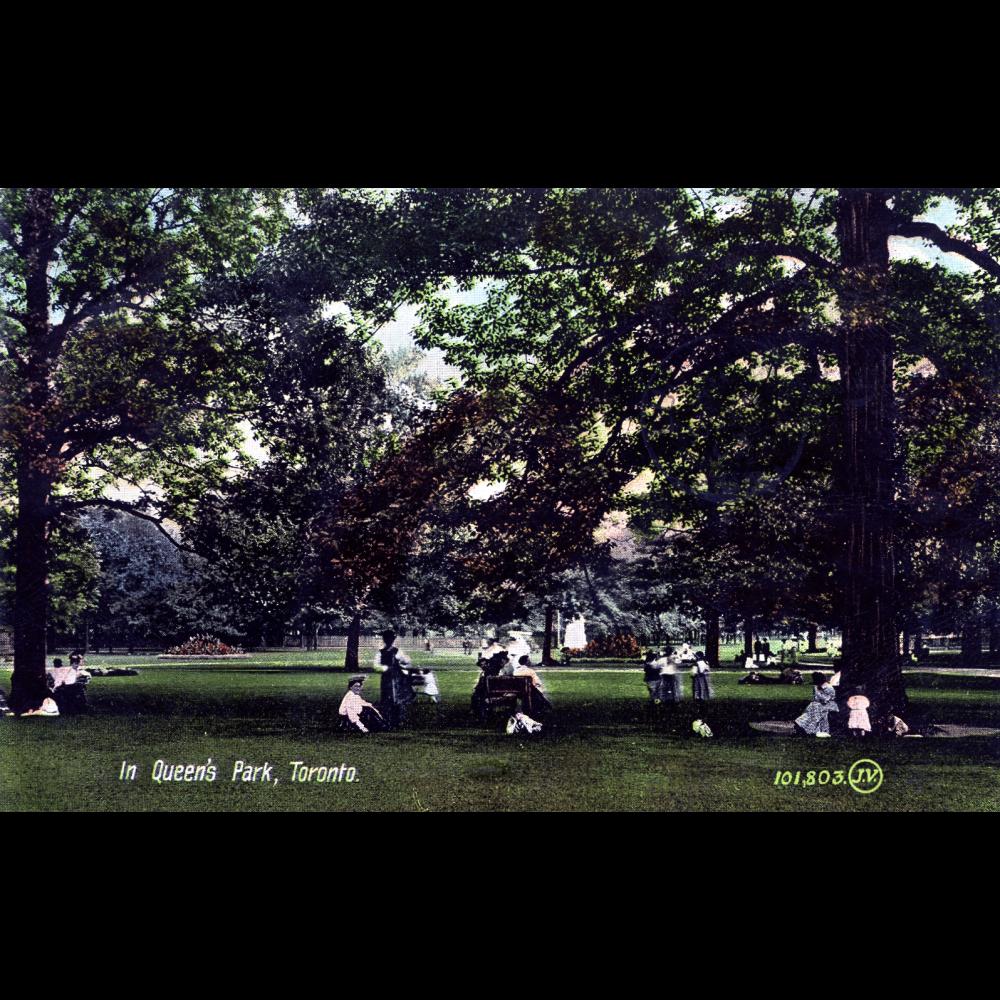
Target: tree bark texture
{"points": [[712, 640], [868, 570], [351, 661], [35, 472], [550, 617]]}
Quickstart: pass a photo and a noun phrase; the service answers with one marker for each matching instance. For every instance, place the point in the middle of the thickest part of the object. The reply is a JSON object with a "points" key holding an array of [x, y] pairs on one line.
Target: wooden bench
{"points": [[506, 692]]}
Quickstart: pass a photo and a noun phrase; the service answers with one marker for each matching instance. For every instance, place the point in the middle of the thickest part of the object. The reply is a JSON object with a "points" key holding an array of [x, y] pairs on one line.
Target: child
{"points": [[702, 686], [355, 711], [671, 690], [859, 723]]}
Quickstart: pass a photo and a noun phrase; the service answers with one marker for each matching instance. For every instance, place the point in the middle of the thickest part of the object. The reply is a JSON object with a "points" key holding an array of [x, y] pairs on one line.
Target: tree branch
{"points": [[949, 244], [127, 508]]}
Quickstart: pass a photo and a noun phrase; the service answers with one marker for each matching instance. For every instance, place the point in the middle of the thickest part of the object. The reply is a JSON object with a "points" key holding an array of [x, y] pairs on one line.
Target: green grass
{"points": [[601, 753]]}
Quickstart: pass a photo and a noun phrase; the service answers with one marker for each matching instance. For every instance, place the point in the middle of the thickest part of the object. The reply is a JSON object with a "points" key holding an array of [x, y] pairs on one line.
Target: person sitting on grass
{"points": [[356, 714], [815, 720], [67, 685], [789, 675]]}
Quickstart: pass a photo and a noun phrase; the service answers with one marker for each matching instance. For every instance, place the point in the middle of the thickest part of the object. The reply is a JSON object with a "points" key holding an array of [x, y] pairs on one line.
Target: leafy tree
{"points": [[143, 330], [604, 302], [73, 582], [141, 573]]}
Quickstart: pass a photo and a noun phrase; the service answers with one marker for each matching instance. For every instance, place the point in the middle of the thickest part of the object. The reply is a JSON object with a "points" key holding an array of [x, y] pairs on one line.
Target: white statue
{"points": [[576, 634]]}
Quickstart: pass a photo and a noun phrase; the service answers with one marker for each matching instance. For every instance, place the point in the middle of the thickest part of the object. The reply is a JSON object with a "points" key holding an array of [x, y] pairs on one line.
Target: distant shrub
{"points": [[204, 645]]}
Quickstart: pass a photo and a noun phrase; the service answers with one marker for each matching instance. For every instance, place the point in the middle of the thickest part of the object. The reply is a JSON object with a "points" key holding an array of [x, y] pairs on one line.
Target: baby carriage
{"points": [[520, 724]]}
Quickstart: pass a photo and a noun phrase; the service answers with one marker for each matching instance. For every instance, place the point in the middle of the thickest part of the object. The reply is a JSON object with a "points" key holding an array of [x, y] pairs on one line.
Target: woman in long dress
{"points": [[396, 689], [700, 681], [815, 720]]}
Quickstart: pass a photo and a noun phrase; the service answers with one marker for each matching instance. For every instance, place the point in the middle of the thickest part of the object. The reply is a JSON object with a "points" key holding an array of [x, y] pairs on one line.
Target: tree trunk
{"points": [[550, 617], [748, 635], [27, 684], [994, 636], [712, 640], [353, 643], [35, 472], [868, 573], [813, 629], [972, 642]]}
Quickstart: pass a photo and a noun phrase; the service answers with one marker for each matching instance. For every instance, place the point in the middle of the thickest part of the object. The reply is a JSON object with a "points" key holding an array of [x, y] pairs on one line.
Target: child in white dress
{"points": [[858, 723]]}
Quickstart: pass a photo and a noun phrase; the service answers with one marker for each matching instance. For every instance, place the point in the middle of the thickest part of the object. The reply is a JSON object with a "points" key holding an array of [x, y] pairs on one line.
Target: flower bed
{"points": [[205, 645]]}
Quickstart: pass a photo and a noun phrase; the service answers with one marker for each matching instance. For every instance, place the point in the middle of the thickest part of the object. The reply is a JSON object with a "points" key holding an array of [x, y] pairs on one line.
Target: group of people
{"points": [[66, 687], [512, 660], [663, 675], [401, 683], [828, 700], [787, 651]]}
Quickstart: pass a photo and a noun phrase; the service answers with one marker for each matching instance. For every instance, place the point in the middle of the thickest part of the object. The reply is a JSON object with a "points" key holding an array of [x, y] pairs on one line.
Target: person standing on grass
{"points": [[651, 675], [396, 690], [701, 684], [815, 720], [859, 724]]}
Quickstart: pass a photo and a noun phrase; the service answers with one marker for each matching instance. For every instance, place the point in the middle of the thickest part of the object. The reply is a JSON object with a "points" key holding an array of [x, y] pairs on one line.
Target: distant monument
{"points": [[576, 634]]}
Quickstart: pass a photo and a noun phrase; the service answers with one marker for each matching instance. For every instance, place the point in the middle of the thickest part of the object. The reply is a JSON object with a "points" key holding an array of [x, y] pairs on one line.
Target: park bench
{"points": [[506, 692]]}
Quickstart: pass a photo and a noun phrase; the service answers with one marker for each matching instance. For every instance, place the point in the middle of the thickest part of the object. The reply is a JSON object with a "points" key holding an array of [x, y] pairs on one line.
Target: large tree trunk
{"points": [[712, 640], [813, 629], [27, 684], [353, 643], [870, 651], [748, 635], [550, 617], [35, 469]]}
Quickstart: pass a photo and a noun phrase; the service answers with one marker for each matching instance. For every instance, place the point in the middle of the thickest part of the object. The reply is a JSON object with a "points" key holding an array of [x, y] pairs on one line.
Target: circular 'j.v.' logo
{"points": [[865, 776]]}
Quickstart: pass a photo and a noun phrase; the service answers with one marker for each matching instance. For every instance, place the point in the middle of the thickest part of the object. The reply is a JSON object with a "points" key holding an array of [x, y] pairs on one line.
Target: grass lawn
{"points": [[601, 753]]}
